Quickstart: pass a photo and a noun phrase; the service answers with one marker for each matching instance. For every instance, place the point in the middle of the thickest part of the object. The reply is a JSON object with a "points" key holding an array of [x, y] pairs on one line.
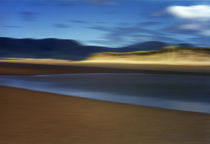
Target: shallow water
{"points": [[188, 93]]}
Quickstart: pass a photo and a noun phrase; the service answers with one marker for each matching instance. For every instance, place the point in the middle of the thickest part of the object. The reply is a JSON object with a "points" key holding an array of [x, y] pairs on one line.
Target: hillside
{"points": [[63, 48], [46, 48], [168, 54]]}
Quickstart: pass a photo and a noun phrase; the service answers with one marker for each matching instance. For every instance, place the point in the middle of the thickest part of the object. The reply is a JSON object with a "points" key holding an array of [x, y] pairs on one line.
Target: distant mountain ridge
{"points": [[151, 45], [63, 48], [46, 48]]}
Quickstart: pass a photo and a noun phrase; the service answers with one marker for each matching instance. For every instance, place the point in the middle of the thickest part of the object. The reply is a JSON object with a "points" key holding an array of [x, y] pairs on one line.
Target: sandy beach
{"points": [[45, 118], [37, 118]]}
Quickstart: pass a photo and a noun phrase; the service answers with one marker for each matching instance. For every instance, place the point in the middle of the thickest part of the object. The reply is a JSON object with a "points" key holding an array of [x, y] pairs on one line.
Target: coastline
{"points": [[38, 117]]}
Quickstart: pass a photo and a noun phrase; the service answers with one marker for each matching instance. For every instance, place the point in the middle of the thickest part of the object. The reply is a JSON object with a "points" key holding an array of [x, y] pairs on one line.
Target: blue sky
{"points": [[112, 23]]}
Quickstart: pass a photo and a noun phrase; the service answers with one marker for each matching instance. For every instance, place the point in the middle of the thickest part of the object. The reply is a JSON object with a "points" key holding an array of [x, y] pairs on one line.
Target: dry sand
{"points": [[50, 66], [29, 117]]}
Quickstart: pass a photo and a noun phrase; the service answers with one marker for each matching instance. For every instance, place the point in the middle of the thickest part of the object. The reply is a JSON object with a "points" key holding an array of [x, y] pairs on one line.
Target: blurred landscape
{"points": [[105, 72]]}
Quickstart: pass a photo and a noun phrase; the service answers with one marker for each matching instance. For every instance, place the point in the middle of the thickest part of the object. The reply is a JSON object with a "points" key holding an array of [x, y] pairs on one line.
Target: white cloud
{"points": [[205, 32], [195, 12], [192, 26], [102, 2], [199, 28]]}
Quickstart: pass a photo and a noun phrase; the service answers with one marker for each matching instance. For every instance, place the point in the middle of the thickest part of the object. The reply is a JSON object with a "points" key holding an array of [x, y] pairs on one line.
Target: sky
{"points": [[112, 23]]}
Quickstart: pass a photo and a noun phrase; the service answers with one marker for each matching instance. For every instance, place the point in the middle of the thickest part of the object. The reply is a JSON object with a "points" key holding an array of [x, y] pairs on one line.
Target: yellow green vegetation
{"points": [[167, 54]]}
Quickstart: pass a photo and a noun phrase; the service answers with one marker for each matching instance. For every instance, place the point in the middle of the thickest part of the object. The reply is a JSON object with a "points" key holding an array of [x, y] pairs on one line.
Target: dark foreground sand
{"points": [[29, 117]]}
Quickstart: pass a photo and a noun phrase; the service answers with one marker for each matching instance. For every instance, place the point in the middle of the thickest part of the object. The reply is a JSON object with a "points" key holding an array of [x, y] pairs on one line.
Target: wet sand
{"points": [[44, 118], [177, 92]]}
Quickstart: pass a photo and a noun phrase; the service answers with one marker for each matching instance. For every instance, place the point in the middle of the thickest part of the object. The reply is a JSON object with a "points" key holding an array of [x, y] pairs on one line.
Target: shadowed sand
{"points": [[44, 118]]}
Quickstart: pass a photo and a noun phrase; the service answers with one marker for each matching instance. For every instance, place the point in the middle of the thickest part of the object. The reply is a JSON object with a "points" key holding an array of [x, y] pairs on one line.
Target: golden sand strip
{"points": [[29, 117], [32, 67]]}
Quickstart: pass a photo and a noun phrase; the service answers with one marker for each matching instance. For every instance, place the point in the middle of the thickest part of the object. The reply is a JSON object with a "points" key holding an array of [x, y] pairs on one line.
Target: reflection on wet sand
{"points": [[188, 93]]}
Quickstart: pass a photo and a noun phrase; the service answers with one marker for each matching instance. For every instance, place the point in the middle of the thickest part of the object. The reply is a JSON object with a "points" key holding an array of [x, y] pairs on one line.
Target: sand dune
{"points": [[168, 60], [169, 55]]}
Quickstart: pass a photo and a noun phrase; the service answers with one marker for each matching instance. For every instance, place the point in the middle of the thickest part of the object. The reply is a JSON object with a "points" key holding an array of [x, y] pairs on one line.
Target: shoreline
{"points": [[128, 88], [39, 117]]}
